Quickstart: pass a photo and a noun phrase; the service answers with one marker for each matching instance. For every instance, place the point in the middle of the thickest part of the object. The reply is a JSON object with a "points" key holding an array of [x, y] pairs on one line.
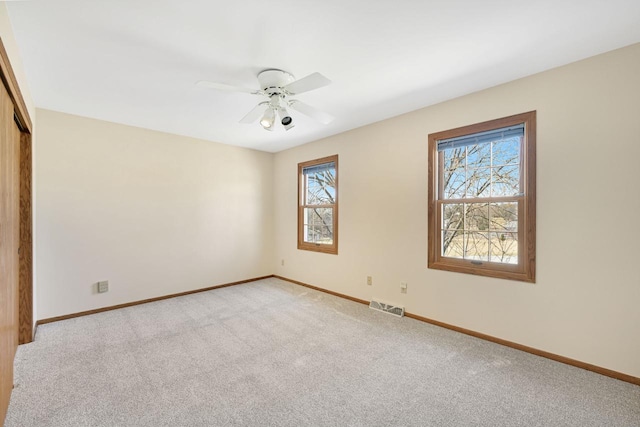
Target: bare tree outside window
{"points": [[485, 230], [321, 190]]}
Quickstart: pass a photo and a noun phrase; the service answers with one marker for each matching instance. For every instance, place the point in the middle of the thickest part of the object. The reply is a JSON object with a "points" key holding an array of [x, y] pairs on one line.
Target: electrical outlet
{"points": [[282, 263], [403, 287], [369, 281], [103, 286]]}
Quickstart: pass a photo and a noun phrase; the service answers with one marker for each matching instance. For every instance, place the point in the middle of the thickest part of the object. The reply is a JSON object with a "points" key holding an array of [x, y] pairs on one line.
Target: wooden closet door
{"points": [[9, 242]]}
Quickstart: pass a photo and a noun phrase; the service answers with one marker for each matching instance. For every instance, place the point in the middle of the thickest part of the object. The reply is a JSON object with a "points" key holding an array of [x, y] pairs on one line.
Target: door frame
{"points": [[25, 275]]}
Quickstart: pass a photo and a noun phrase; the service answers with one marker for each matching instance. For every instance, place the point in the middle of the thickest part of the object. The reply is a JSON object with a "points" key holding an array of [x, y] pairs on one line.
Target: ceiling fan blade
{"points": [[310, 111], [305, 84], [255, 113], [230, 88]]}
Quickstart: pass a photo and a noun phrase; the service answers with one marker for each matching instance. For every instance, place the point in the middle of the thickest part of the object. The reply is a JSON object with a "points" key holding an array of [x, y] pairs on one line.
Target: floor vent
{"points": [[387, 308]]}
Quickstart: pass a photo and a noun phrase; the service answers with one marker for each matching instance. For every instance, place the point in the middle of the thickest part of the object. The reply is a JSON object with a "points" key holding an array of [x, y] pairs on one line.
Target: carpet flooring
{"points": [[271, 353]]}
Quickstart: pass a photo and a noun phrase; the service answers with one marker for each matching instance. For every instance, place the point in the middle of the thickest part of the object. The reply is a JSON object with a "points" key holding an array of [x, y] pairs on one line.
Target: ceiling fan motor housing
{"points": [[273, 80]]}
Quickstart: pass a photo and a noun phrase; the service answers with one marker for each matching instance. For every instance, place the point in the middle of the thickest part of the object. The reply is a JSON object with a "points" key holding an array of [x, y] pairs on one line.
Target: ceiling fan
{"points": [[278, 86]]}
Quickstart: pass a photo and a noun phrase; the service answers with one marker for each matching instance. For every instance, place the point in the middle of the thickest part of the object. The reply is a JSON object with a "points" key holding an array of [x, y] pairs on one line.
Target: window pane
{"points": [[321, 187], [453, 216], [454, 159], [476, 217], [506, 152], [504, 217], [454, 183], [504, 247], [479, 182], [480, 231], [453, 244], [318, 225], [506, 180], [476, 246], [479, 156]]}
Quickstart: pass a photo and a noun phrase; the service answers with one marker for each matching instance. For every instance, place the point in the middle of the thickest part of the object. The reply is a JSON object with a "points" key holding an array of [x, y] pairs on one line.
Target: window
{"points": [[318, 205], [482, 201]]}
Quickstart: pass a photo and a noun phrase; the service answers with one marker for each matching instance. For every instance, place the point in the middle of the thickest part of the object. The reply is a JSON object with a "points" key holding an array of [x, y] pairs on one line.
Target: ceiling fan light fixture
{"points": [[268, 119], [285, 118]]}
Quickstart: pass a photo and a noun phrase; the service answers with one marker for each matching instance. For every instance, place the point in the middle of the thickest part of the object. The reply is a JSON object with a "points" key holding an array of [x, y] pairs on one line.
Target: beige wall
{"points": [[153, 213], [585, 302]]}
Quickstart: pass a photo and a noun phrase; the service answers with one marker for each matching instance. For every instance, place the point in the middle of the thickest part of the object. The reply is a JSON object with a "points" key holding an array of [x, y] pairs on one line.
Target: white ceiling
{"points": [[137, 62]]}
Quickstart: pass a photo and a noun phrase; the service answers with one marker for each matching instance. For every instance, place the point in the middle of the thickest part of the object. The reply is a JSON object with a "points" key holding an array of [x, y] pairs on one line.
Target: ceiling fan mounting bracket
{"points": [[272, 80]]}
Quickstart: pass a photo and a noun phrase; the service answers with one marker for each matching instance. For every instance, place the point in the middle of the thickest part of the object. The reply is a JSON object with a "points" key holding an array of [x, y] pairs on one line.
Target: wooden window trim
{"points": [[317, 247], [525, 269]]}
